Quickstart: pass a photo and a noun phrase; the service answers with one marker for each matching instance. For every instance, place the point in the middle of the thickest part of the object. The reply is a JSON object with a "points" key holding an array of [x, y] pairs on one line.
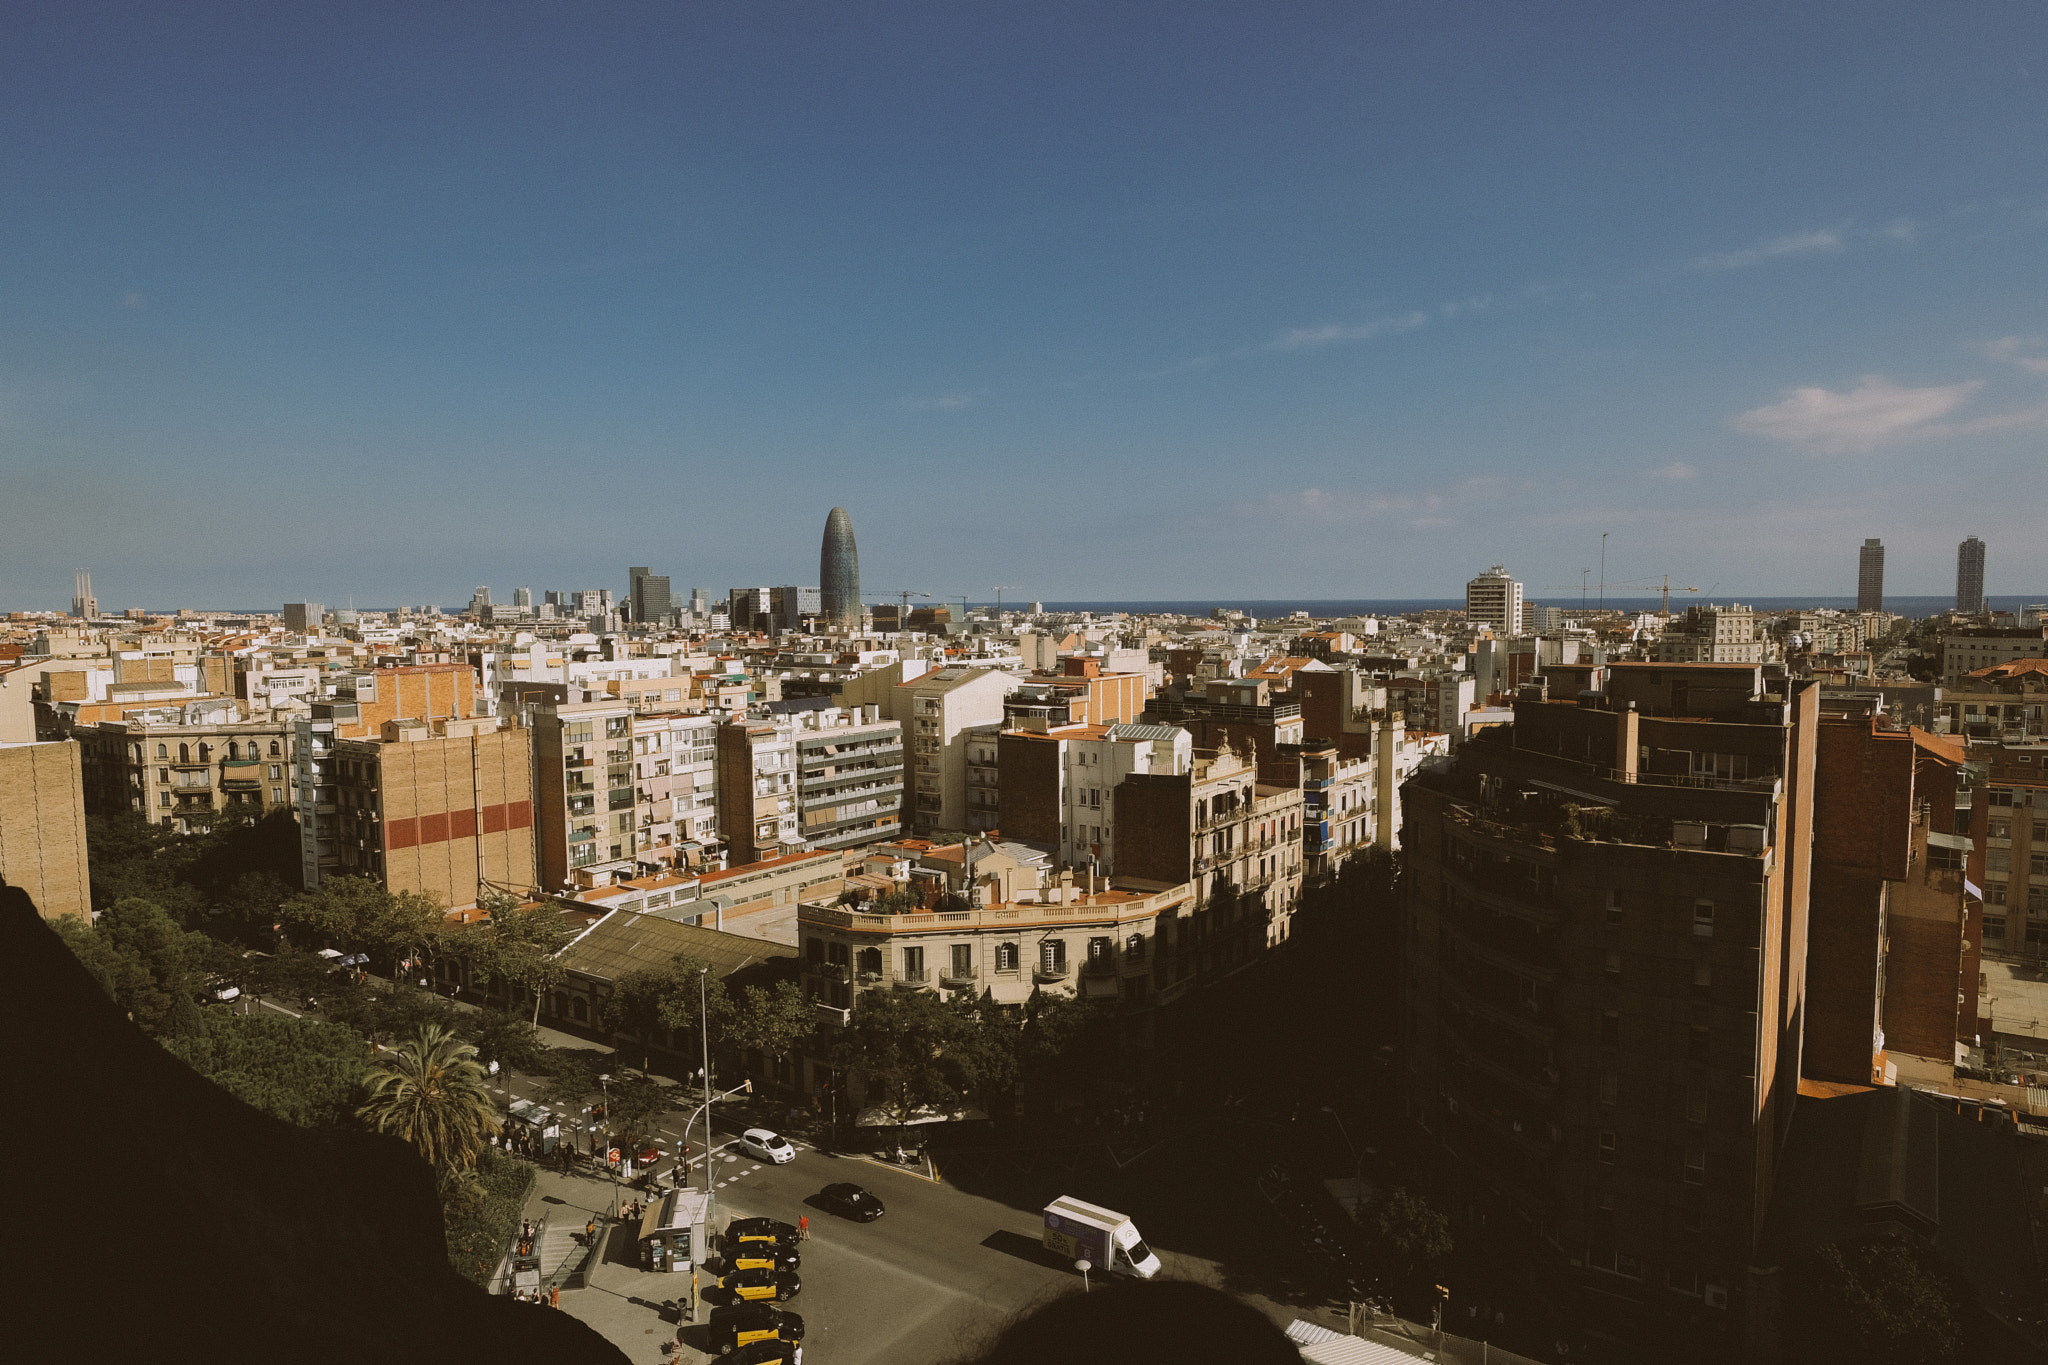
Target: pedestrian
{"points": [[803, 1228], [554, 1296], [590, 1231]]}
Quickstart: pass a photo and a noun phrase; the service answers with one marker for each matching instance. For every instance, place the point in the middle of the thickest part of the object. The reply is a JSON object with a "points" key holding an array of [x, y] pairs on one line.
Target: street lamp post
{"points": [[1357, 1161], [605, 1084], [704, 1036]]}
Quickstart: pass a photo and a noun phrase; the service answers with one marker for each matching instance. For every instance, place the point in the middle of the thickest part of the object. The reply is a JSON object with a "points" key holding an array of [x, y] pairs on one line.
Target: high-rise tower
{"points": [[1870, 576], [83, 604], [839, 571], [1494, 599], [1970, 576]]}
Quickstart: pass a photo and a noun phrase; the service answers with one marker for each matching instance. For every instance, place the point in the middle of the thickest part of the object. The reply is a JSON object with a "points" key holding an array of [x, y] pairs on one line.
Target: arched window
{"points": [[234, 749], [205, 751], [184, 753], [273, 748], [162, 752]]}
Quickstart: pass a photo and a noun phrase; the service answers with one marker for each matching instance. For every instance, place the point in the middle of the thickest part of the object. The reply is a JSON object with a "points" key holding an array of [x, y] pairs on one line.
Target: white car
{"points": [[768, 1146]]}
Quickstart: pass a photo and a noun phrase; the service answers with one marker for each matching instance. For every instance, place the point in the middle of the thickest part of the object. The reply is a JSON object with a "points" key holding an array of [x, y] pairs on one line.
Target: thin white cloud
{"points": [[1309, 338], [133, 299], [1792, 244], [1330, 505], [1875, 413], [2009, 350], [1902, 230], [1678, 469]]}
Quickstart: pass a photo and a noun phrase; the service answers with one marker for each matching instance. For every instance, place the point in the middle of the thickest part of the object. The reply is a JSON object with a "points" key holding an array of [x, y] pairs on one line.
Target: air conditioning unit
{"points": [[1717, 1296], [1689, 833]]}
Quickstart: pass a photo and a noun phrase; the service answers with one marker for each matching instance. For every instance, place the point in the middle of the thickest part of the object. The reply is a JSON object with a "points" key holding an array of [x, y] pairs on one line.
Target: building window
{"points": [[184, 753], [1613, 962], [1006, 957], [162, 752], [1098, 950], [1994, 927], [277, 796], [1695, 1165], [1703, 918], [1696, 1106], [913, 964], [1610, 1087], [814, 949], [1702, 976], [1052, 955], [1607, 1146], [963, 961], [869, 962], [163, 798], [1613, 906]]}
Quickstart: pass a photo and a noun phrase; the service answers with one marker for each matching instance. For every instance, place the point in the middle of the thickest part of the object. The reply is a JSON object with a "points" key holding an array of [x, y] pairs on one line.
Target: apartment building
{"points": [[443, 808], [1604, 983], [937, 710], [2003, 702], [1234, 839], [1064, 937], [177, 762], [675, 780], [1494, 600], [1964, 652], [849, 777], [1224, 713], [585, 796], [757, 790], [1059, 784], [42, 826], [1892, 943], [2009, 824], [771, 884], [1081, 694], [1711, 635], [1339, 803]]}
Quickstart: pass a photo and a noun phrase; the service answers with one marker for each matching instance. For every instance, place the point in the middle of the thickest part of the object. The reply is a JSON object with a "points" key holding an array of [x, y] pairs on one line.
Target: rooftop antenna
{"points": [[1001, 588], [1603, 571]]}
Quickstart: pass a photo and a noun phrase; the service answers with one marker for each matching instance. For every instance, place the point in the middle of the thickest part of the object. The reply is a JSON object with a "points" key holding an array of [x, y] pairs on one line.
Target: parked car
{"points": [[851, 1201], [760, 1254], [767, 1145], [770, 1352], [734, 1325], [760, 1230], [772, 1285]]}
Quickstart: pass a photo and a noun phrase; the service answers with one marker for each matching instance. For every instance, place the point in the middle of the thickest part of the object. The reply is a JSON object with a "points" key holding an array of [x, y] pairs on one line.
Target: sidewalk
{"points": [[625, 1304]]}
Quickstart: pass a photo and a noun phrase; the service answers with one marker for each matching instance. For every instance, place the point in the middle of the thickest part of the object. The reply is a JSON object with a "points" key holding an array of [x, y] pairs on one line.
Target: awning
{"points": [[328, 953], [1941, 746], [1573, 792], [1959, 842]]}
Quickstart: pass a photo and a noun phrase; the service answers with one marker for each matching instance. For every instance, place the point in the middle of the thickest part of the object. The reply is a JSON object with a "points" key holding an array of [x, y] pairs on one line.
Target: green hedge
{"points": [[482, 1218]]}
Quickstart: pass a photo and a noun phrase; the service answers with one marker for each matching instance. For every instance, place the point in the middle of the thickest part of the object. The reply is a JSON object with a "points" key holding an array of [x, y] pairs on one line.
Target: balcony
{"points": [[1050, 971], [912, 978], [957, 976], [832, 1016], [1099, 966]]}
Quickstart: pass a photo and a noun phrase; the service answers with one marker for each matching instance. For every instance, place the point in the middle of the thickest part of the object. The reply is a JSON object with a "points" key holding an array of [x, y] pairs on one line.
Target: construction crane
{"points": [[1666, 588], [1002, 588]]}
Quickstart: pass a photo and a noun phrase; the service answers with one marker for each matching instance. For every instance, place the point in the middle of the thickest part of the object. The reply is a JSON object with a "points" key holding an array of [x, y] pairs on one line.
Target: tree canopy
{"points": [[146, 963], [1879, 1299], [432, 1093], [299, 1070]]}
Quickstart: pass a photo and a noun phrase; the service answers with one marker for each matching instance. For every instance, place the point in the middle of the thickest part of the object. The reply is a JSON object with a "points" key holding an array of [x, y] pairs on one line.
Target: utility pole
{"points": [[1001, 588], [1603, 571]]}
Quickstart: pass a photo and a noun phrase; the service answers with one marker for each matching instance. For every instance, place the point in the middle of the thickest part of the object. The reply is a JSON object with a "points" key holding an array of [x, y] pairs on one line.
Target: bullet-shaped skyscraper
{"points": [[839, 571]]}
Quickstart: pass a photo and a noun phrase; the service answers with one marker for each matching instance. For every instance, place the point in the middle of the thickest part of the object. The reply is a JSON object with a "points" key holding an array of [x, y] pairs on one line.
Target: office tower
{"points": [[522, 598], [649, 593], [83, 604], [480, 601], [788, 606], [839, 571], [1870, 576], [303, 618], [749, 608], [1970, 576], [1494, 599]]}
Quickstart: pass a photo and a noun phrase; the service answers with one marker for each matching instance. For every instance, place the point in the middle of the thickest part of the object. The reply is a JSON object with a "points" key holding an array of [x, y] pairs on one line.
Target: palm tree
{"points": [[432, 1093]]}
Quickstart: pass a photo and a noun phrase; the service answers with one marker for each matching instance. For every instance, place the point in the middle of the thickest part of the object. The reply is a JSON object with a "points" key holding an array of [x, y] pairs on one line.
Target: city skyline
{"points": [[1419, 290]]}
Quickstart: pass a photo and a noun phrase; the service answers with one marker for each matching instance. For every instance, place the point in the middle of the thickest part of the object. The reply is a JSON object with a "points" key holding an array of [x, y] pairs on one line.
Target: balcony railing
{"points": [[912, 976], [828, 971], [957, 975], [1051, 971]]}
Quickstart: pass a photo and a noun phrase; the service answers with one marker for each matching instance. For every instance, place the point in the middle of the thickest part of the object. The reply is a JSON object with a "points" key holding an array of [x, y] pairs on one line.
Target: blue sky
{"points": [[1094, 301]]}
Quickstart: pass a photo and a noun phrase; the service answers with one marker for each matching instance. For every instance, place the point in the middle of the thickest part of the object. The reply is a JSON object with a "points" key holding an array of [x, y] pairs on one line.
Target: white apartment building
{"points": [[937, 710], [1494, 599]]}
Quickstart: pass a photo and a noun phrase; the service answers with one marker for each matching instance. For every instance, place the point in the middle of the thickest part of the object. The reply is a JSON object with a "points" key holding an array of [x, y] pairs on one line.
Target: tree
{"points": [[505, 1038], [896, 1048], [773, 1022], [1411, 1230], [411, 927], [1879, 1299], [299, 1070], [389, 1010], [648, 1001], [344, 909], [433, 1094], [145, 962], [517, 944], [630, 1111]]}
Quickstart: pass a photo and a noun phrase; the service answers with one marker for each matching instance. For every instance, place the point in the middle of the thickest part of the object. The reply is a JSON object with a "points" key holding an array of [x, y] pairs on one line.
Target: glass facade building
{"points": [[839, 571]]}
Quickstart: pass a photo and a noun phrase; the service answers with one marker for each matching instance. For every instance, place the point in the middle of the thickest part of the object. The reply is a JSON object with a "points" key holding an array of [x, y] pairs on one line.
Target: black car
{"points": [[734, 1325], [770, 1352], [761, 1284], [851, 1201], [759, 1230], [761, 1255]]}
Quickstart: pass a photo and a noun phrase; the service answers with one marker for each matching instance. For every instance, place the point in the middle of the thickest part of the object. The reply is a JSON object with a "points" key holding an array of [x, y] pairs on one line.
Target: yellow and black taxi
{"points": [[735, 1325], [770, 1285], [760, 1230], [768, 1353], [761, 1254]]}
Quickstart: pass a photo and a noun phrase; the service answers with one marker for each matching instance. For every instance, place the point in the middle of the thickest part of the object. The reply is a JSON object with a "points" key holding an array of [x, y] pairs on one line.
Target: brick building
{"points": [[1891, 955], [443, 808], [42, 826], [1604, 987]]}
